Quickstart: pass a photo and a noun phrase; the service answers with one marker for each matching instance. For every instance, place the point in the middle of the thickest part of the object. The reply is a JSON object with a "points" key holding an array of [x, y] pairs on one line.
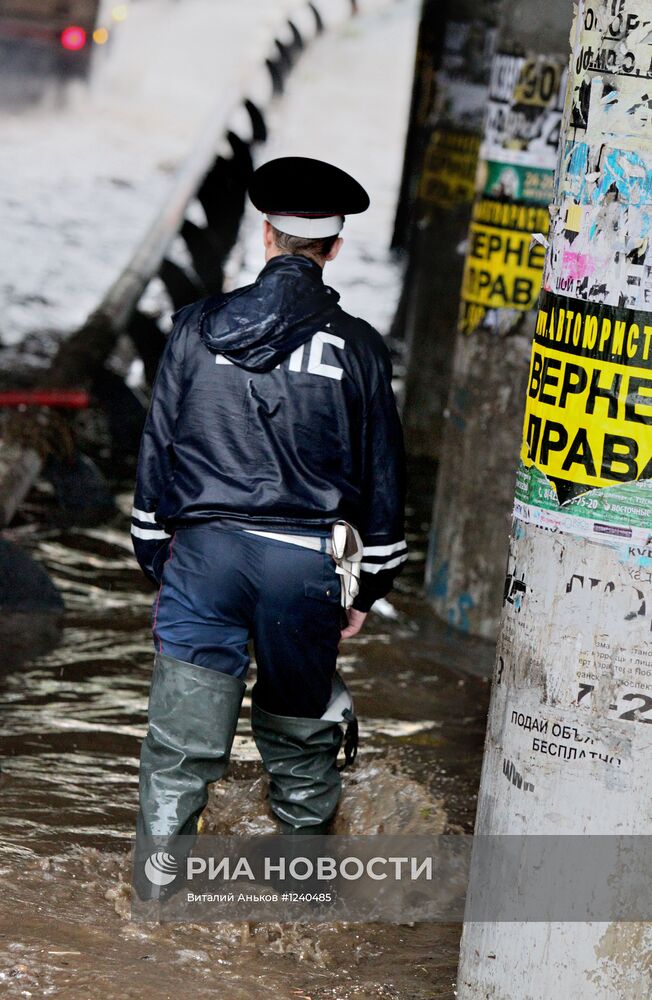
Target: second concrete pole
{"points": [[500, 286], [444, 196]]}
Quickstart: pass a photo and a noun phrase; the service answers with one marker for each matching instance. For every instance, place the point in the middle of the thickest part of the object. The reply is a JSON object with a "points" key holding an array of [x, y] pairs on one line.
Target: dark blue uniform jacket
{"points": [[273, 409]]}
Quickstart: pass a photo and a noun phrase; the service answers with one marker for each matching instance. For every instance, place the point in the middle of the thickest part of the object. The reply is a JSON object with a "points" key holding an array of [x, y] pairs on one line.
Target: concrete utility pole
{"points": [[444, 197], [500, 287], [426, 64], [569, 736]]}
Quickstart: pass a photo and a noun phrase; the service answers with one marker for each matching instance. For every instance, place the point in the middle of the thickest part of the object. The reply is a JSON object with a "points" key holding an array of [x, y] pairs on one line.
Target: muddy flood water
{"points": [[73, 701]]}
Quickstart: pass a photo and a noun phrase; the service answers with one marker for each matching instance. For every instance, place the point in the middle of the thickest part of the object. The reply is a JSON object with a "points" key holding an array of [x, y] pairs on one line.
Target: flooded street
{"points": [[74, 692], [73, 718], [245, 242]]}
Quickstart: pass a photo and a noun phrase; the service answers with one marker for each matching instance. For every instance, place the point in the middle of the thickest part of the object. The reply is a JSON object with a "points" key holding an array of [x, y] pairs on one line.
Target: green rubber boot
{"points": [[300, 757], [193, 714]]}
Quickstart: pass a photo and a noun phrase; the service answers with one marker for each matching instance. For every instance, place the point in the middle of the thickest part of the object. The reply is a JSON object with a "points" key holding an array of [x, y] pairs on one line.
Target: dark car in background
{"points": [[46, 41]]}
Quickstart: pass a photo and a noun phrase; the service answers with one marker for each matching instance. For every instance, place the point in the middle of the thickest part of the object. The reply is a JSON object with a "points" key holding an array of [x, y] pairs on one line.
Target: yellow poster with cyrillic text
{"points": [[588, 416]]}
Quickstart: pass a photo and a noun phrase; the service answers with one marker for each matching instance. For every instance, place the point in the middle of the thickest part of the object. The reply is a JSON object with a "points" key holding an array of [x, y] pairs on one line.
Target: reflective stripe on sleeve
{"points": [[384, 550], [149, 534], [143, 515], [377, 567]]}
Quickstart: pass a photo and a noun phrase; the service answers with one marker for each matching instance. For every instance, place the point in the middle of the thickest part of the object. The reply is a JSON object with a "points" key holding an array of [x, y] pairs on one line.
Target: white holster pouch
{"points": [[347, 554]]}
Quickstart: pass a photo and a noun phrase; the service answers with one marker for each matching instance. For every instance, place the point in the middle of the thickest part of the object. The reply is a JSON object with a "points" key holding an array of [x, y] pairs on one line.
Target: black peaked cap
{"points": [[299, 185]]}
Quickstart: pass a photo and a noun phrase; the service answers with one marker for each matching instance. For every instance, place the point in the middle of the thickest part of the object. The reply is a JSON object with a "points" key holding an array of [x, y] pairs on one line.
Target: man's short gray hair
{"points": [[306, 248]]}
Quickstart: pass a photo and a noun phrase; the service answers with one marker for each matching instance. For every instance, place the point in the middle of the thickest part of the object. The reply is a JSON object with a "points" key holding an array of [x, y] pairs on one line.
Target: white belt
{"points": [[344, 545], [314, 542]]}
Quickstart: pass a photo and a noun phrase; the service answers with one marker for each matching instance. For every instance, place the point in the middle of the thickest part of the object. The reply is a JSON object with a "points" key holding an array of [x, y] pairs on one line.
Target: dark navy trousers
{"points": [[221, 587]]}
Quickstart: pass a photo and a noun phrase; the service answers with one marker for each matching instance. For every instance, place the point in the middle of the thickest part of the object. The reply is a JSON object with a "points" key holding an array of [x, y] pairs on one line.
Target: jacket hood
{"points": [[257, 326]]}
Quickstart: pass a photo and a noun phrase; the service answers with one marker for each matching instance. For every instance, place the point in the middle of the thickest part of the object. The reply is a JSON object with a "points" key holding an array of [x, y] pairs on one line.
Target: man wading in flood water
{"points": [[268, 505]]}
